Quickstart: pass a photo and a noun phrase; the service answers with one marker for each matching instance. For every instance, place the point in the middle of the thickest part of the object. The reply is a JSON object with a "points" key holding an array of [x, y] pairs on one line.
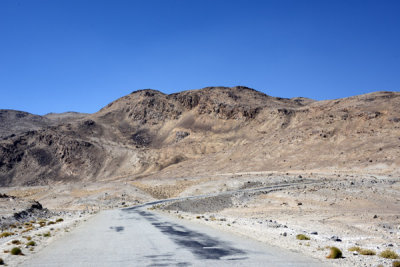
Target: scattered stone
{"points": [[375, 216], [336, 238], [314, 233]]}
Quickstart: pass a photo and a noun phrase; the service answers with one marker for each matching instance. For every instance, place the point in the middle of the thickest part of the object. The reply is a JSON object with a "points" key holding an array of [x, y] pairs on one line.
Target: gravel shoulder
{"points": [[38, 234]]}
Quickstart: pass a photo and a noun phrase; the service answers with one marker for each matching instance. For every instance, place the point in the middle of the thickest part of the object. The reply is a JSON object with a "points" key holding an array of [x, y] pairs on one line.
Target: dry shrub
{"points": [[16, 251], [335, 253]]}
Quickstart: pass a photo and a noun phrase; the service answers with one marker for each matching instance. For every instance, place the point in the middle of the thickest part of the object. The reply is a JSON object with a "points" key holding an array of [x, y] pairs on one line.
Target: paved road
{"points": [[138, 237]]}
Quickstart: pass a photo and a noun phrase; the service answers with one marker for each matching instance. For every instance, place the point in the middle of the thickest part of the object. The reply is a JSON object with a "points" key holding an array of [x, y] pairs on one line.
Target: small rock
{"points": [[314, 233], [336, 238], [299, 203], [375, 216], [284, 234]]}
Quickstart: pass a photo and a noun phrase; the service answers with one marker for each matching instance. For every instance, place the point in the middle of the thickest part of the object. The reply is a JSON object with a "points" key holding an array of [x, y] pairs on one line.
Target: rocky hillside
{"points": [[14, 122], [212, 130]]}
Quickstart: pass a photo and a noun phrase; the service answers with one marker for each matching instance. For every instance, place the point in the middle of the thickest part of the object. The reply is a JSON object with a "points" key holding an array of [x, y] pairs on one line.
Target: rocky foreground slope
{"points": [[212, 130]]}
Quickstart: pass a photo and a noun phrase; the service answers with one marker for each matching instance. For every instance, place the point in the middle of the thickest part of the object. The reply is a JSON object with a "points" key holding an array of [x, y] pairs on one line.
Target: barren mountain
{"points": [[212, 130], [14, 122]]}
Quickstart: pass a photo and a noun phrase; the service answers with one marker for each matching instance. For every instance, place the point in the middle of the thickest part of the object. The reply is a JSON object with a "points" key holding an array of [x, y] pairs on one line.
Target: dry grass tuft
{"points": [[335, 253], [302, 237], [389, 254], [5, 234], [31, 243], [362, 251]]}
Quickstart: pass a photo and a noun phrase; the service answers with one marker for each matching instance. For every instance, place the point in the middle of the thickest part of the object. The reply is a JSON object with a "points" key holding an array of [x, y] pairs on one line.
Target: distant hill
{"points": [[14, 121], [64, 117], [198, 132]]}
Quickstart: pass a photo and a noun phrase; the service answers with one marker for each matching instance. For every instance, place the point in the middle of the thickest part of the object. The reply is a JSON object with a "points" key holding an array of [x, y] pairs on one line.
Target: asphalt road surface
{"points": [[139, 237]]}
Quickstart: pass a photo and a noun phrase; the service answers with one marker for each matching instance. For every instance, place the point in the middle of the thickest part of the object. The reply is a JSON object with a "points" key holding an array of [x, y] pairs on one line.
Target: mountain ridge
{"points": [[214, 129]]}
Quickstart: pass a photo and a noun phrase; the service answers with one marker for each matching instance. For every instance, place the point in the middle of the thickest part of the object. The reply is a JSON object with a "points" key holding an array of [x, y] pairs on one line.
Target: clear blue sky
{"points": [[79, 55]]}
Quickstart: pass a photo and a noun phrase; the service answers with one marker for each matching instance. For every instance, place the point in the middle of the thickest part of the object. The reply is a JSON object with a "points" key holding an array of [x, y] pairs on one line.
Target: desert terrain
{"points": [[261, 167]]}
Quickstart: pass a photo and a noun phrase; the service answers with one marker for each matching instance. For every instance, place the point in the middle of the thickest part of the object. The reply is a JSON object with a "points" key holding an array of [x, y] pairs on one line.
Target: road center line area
{"points": [[139, 237]]}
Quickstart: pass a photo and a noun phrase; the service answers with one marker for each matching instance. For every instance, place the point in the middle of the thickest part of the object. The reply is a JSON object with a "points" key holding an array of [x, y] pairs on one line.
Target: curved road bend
{"points": [[138, 237]]}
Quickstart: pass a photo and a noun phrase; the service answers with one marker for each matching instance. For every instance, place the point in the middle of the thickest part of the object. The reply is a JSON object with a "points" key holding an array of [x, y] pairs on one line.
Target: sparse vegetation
{"points": [[362, 251], [5, 234], [368, 252], [50, 223], [31, 243], [60, 220], [47, 234], [389, 254], [1, 261], [335, 253], [354, 249], [27, 237], [396, 264], [302, 237], [16, 251], [16, 242], [27, 230]]}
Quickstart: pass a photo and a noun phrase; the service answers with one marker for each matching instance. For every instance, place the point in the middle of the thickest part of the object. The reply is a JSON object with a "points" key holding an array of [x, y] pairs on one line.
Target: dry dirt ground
{"points": [[359, 209], [342, 210]]}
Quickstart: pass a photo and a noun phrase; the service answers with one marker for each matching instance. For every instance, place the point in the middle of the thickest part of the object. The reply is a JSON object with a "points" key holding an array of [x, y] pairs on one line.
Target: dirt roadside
{"points": [[339, 210]]}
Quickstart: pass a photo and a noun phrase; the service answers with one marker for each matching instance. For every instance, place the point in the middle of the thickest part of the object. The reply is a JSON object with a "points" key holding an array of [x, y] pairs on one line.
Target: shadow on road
{"points": [[201, 245]]}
